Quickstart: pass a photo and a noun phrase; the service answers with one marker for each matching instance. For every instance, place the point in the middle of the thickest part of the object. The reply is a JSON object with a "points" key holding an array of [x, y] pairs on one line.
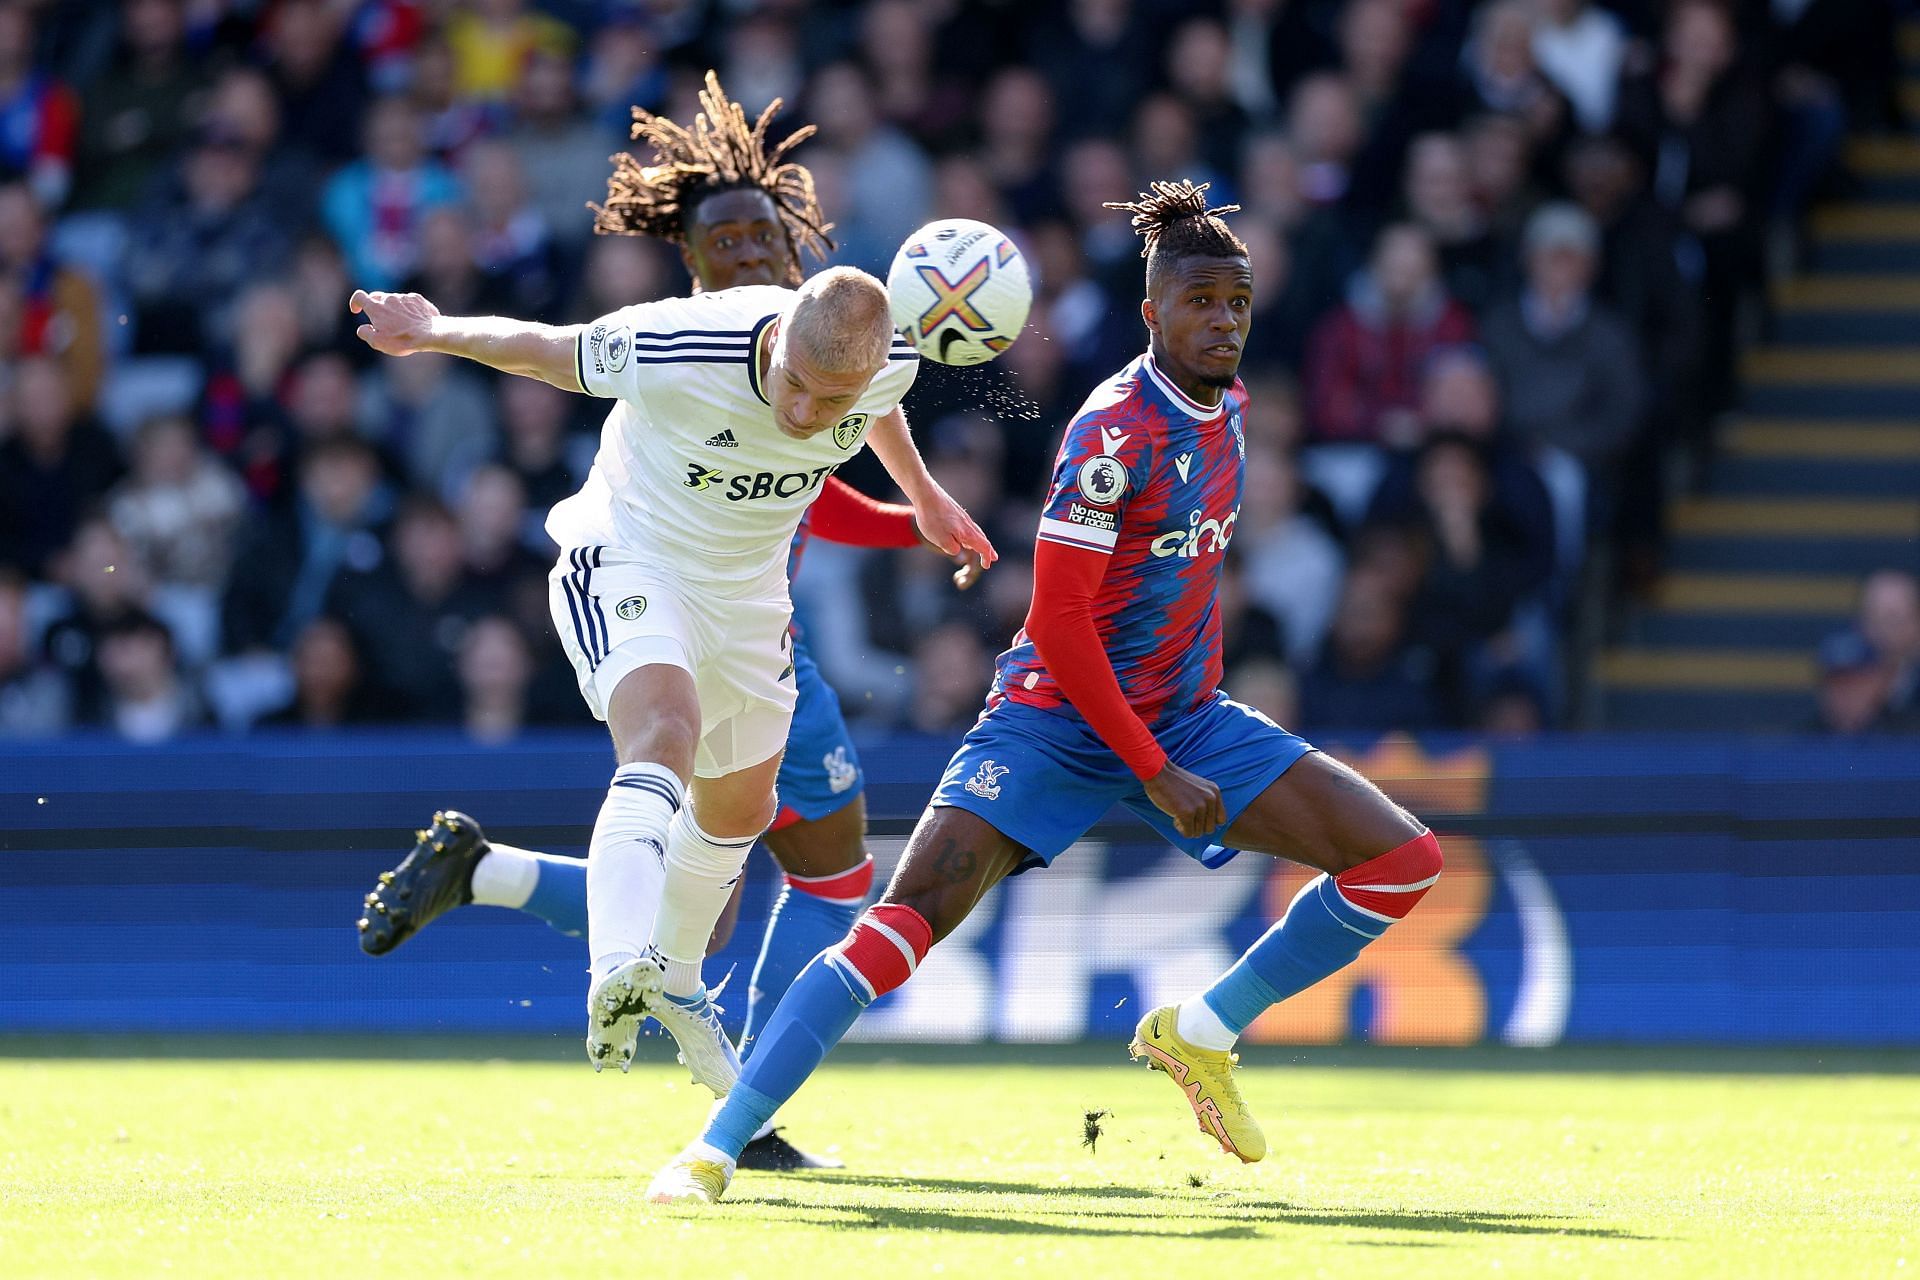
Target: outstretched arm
{"points": [[403, 324], [943, 522], [844, 515]]}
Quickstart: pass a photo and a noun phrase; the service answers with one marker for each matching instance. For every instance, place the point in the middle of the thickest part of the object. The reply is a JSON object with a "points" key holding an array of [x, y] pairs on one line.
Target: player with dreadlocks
{"points": [[1108, 696], [740, 213]]}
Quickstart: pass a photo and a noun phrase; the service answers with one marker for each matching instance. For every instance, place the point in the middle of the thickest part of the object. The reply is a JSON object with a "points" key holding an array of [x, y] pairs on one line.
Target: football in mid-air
{"points": [[960, 291]]}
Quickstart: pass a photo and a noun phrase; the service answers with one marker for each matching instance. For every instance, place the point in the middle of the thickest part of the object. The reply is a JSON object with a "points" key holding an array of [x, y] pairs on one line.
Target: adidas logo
{"points": [[724, 440]]}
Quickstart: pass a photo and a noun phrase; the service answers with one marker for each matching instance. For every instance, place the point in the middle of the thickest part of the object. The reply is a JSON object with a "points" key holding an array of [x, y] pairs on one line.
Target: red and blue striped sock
{"points": [[1325, 928], [881, 953], [813, 913]]}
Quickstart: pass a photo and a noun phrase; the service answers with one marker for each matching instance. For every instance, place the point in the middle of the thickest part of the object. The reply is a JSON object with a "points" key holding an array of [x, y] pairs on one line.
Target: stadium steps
{"points": [[1816, 483]]}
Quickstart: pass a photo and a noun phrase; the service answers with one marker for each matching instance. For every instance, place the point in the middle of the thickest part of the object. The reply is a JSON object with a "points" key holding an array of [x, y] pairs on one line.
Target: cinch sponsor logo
{"points": [[753, 486], [1200, 537]]}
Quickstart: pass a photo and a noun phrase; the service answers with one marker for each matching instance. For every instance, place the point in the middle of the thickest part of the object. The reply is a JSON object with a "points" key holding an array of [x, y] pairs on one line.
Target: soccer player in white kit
{"points": [[670, 592]]}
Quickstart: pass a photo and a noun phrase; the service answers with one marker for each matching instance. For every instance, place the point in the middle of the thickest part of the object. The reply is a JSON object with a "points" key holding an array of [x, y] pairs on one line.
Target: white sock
{"points": [[701, 870], [1201, 1027], [505, 876], [626, 862]]}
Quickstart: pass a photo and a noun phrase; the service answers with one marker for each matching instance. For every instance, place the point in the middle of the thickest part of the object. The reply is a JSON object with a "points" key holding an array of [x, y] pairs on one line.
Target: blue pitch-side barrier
{"points": [[1598, 890]]}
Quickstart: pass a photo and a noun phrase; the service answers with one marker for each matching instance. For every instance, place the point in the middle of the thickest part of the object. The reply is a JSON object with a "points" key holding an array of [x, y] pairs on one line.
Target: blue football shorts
{"points": [[1042, 778], [820, 773]]}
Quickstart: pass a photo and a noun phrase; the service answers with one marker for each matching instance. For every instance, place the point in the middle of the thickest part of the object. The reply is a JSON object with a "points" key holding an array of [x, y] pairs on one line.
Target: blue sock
{"points": [[801, 927], [818, 1009], [560, 895], [1320, 934]]}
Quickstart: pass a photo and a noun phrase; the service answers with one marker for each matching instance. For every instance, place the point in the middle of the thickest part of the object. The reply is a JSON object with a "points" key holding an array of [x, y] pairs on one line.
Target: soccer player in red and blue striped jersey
{"points": [[1110, 695]]}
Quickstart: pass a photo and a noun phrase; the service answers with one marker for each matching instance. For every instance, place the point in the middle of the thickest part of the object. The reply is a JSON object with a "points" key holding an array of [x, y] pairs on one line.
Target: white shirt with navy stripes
{"points": [[691, 467]]}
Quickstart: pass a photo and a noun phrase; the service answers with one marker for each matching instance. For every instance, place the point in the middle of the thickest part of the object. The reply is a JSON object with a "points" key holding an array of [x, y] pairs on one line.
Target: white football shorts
{"points": [[616, 612]]}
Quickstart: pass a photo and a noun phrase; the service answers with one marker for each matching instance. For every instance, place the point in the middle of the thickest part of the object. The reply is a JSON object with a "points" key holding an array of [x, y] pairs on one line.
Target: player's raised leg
{"points": [[1376, 862], [953, 858], [452, 864]]}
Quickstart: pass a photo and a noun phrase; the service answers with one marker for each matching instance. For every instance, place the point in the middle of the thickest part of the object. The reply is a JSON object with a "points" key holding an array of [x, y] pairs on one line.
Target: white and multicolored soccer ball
{"points": [[959, 291]]}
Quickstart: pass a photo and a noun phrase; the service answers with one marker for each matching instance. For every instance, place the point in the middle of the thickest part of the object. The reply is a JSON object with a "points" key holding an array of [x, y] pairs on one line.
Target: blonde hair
{"points": [[841, 321]]}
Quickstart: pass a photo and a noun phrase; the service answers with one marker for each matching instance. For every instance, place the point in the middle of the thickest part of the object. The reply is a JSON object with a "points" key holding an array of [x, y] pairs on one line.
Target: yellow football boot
{"points": [[690, 1179], [1206, 1077]]}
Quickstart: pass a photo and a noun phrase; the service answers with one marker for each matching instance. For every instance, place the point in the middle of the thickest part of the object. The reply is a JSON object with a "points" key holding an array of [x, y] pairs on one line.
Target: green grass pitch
{"points": [[422, 1169]]}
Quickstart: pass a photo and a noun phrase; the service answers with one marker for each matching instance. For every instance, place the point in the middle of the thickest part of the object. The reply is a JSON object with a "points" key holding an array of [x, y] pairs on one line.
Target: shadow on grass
{"points": [[1232, 1211], [999, 1224]]}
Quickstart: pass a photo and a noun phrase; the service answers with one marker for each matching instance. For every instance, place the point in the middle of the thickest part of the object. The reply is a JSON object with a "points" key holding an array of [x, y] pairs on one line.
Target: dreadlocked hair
{"points": [[1174, 220], [721, 152]]}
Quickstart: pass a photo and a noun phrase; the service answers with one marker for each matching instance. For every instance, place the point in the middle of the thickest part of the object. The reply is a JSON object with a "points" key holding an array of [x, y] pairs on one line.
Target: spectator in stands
{"points": [[623, 270], [42, 114], [54, 464], [147, 699], [1248, 633], [915, 95], [563, 156], [496, 674], [410, 611], [493, 39], [1474, 266], [1513, 708], [1501, 75], [1199, 63], [374, 206], [241, 417], [1369, 678], [1017, 125], [493, 516], [34, 698], [434, 417], [1698, 118], [323, 399], [1363, 361], [197, 242], [321, 84], [449, 122], [101, 583], [512, 244], [1856, 685], [1580, 48], [288, 558], [180, 508], [951, 670], [329, 683], [1499, 160], [1293, 563], [1890, 621], [448, 269], [244, 107], [534, 418], [886, 181], [319, 281], [59, 308], [140, 109], [1459, 398], [1476, 564], [1569, 371], [1097, 56], [1325, 133]]}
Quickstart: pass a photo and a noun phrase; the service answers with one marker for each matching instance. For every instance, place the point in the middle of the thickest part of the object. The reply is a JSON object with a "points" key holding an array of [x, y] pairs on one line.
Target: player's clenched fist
{"points": [[1189, 799], [398, 324]]}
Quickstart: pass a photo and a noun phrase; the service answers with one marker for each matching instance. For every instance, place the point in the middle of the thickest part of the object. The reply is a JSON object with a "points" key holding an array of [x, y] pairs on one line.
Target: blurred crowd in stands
{"points": [[1504, 255]]}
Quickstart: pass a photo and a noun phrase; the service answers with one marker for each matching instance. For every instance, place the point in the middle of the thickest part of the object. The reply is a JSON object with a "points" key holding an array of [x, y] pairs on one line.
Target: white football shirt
{"points": [[691, 466]]}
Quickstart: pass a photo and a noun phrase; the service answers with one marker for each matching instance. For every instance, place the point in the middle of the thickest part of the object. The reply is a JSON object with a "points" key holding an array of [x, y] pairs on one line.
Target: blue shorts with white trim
{"points": [[1042, 778]]}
